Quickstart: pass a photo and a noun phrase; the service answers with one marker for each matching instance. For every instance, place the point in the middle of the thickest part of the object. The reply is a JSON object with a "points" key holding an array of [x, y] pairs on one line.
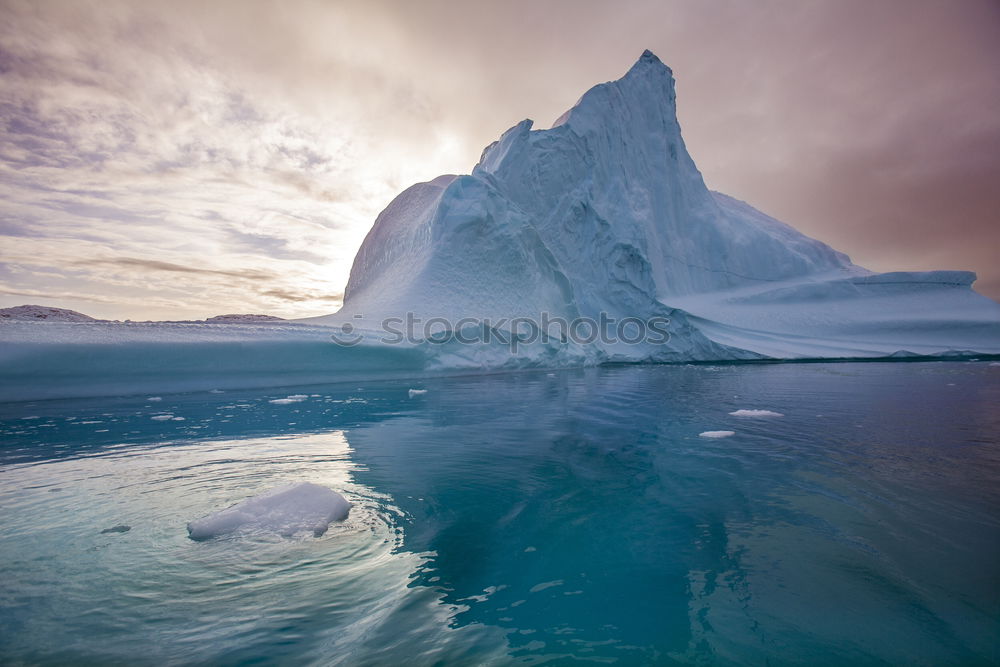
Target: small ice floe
{"points": [[31, 417], [120, 528], [417, 392], [216, 391], [155, 398], [716, 434], [177, 419], [285, 510], [756, 413], [294, 398], [545, 584], [161, 418]]}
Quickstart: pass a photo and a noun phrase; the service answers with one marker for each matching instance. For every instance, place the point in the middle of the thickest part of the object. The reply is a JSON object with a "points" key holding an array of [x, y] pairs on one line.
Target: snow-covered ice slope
{"points": [[604, 213], [850, 313]]}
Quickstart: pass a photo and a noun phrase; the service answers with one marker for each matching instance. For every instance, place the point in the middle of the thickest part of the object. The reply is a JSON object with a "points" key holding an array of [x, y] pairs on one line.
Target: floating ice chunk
{"points": [[177, 419], [216, 391], [294, 398], [285, 510], [161, 418], [716, 434], [756, 413], [154, 398], [417, 392], [545, 584]]}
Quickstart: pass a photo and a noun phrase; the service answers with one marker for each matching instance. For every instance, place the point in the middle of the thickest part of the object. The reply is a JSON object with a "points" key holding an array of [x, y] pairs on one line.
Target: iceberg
{"points": [[606, 213], [285, 510], [602, 218]]}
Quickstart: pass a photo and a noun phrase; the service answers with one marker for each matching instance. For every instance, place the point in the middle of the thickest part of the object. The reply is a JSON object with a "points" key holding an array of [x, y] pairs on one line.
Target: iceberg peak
{"points": [[646, 91], [649, 60]]}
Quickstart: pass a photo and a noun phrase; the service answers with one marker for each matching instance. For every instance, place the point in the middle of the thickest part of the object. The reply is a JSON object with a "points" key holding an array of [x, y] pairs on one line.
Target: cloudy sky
{"points": [[186, 159]]}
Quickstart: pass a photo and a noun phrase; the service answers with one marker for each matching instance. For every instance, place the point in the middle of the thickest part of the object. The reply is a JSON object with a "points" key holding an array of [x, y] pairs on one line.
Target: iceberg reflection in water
{"points": [[532, 516]]}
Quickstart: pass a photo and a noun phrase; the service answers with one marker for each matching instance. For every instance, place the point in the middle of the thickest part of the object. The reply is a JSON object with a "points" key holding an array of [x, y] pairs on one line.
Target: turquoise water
{"points": [[558, 518]]}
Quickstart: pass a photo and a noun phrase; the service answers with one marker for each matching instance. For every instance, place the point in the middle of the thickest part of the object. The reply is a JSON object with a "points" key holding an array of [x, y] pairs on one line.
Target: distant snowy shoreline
{"points": [[31, 312]]}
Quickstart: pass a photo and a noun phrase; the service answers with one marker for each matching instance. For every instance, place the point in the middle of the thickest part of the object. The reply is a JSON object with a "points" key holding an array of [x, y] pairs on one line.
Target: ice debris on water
{"points": [[285, 510], [716, 434], [417, 392], [294, 398], [756, 413], [545, 584]]}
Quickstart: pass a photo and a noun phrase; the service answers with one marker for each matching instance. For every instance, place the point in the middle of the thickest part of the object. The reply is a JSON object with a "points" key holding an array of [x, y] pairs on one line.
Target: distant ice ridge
{"points": [[285, 511], [33, 312], [243, 318], [602, 215]]}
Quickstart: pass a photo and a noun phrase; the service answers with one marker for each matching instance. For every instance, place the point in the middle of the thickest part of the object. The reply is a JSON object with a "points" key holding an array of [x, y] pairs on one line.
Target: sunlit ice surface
{"points": [[562, 517]]}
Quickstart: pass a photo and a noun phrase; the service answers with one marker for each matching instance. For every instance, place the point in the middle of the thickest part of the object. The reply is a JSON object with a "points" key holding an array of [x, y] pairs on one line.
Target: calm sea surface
{"points": [[558, 518]]}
